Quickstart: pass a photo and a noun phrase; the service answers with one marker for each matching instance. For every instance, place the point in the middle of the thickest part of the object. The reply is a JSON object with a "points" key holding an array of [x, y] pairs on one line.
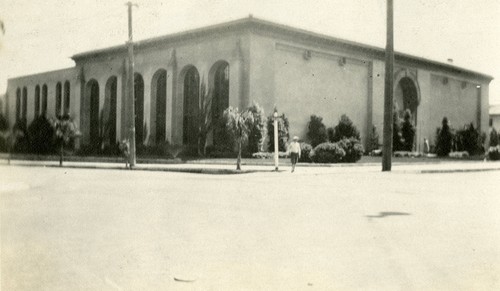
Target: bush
{"points": [[316, 131], [283, 133], [469, 139], [220, 152], [397, 137], [352, 148], [408, 132], [267, 155], [4, 124], [374, 140], [327, 153], [444, 139], [305, 151], [160, 150], [493, 137], [494, 153], [345, 128], [257, 133], [21, 137]]}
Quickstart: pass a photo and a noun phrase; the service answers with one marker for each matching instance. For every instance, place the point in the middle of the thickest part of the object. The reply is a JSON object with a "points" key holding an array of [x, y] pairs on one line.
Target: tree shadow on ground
{"points": [[388, 213]]}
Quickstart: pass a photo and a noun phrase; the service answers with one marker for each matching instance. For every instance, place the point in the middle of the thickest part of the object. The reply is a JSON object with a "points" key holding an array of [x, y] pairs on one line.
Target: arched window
{"points": [[191, 107], [25, 103], [58, 99], [159, 105], [220, 101], [66, 97], [37, 101], [139, 108], [44, 99], [92, 94], [18, 104], [109, 110]]}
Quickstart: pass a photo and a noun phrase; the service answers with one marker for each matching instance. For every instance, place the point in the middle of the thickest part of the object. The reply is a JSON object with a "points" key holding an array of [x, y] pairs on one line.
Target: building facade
{"points": [[235, 64]]}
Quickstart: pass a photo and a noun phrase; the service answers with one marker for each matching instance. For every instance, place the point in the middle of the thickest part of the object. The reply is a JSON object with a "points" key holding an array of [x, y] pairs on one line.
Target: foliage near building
{"points": [[316, 131], [344, 129], [283, 132], [257, 135], [239, 125], [444, 139], [407, 132]]}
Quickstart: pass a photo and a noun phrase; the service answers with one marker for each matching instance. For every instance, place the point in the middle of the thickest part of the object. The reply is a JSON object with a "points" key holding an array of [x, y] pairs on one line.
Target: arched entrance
{"points": [[406, 97], [109, 111], [159, 105], [92, 90], [191, 107], [220, 101], [139, 108]]}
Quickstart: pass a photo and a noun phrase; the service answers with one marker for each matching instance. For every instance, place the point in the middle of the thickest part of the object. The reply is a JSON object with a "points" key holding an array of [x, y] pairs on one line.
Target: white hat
{"points": [[295, 138]]}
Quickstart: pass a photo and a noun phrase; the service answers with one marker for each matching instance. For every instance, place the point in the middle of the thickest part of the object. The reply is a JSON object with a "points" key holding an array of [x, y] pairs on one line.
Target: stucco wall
{"points": [[452, 98], [321, 86], [50, 79]]}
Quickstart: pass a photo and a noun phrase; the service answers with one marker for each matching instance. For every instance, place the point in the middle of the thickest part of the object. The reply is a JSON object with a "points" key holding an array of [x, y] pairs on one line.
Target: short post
{"points": [[276, 155]]}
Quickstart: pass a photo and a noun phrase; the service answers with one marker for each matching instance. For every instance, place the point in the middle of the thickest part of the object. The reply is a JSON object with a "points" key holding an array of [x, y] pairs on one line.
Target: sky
{"points": [[43, 35]]}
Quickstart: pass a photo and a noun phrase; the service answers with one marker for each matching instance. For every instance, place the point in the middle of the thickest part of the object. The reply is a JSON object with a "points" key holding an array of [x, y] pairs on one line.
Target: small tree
{"points": [[397, 138], [374, 139], [206, 123], [316, 131], [444, 139], [345, 129], [258, 131], [65, 132], [283, 133], [238, 125], [408, 132], [493, 137]]}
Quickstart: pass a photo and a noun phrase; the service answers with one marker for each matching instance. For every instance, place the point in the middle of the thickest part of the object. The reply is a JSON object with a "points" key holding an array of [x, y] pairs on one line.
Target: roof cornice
{"points": [[260, 24]]}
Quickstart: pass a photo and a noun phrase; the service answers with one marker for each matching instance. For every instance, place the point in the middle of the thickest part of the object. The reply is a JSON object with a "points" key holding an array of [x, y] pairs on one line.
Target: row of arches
{"points": [[102, 122], [40, 101]]}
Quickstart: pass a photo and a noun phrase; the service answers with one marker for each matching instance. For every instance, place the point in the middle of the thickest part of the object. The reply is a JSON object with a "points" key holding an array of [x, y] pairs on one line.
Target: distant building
{"points": [[495, 116], [301, 72]]}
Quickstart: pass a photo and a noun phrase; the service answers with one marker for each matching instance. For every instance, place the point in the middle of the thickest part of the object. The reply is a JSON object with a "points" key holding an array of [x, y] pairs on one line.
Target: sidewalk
{"points": [[228, 166]]}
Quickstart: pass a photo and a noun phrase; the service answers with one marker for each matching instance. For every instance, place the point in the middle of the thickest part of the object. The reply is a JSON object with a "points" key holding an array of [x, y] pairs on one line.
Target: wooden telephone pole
{"points": [[389, 87], [130, 86]]}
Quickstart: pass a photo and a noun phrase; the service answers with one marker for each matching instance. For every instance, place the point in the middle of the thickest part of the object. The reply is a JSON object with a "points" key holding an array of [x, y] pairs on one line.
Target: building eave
{"points": [[255, 23]]}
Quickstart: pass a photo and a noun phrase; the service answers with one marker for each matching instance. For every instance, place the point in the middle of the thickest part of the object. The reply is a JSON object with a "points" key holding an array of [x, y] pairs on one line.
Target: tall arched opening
{"points": [[109, 111], [219, 79], [37, 101], [44, 99], [92, 92], [191, 107], [159, 105], [18, 104], [139, 108], [406, 97], [66, 97], [25, 104]]}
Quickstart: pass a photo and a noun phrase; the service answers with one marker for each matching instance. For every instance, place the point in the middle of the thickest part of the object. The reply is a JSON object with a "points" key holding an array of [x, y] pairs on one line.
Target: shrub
{"points": [[444, 139], [160, 150], [408, 132], [305, 151], [494, 153], [397, 137], [345, 128], [327, 153], [267, 155], [493, 137], [374, 140], [257, 133], [469, 139], [220, 152], [352, 148], [4, 124], [283, 133], [316, 131]]}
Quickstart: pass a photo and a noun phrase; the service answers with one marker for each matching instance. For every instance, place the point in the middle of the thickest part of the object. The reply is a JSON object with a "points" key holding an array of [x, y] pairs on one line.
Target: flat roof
{"points": [[286, 30]]}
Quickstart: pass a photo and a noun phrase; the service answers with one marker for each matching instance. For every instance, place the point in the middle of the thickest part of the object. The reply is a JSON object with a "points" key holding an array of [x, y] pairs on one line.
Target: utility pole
{"points": [[388, 90], [130, 86]]}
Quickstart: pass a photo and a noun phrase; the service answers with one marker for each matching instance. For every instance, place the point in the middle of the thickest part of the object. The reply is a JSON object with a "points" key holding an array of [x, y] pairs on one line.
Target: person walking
{"points": [[294, 151]]}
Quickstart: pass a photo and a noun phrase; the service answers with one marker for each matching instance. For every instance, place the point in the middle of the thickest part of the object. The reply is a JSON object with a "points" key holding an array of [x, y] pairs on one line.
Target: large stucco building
{"points": [[300, 72]]}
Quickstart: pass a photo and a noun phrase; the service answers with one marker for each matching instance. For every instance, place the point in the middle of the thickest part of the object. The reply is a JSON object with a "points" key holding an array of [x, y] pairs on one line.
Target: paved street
{"points": [[352, 228]]}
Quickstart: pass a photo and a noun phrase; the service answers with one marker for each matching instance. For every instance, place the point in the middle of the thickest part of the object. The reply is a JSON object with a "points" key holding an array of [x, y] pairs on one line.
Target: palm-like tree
{"points": [[239, 125]]}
